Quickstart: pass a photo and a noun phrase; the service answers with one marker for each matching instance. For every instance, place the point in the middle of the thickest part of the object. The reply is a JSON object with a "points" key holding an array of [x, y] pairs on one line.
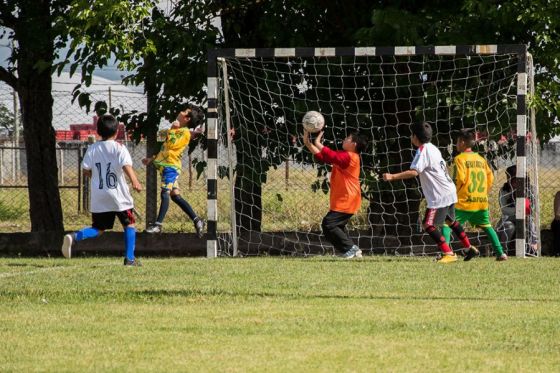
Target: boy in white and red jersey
{"points": [[438, 188], [345, 196]]}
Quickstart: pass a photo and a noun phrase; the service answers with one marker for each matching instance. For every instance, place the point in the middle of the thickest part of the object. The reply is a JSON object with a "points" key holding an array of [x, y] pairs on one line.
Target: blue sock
{"points": [[130, 242], [86, 233]]}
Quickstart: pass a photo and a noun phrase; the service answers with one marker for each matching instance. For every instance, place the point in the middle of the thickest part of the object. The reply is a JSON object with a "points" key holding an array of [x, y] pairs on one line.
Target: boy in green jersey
{"points": [[473, 179]]}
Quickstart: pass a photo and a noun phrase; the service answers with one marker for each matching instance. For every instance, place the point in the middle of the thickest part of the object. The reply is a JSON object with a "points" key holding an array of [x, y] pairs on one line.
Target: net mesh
{"points": [[278, 195]]}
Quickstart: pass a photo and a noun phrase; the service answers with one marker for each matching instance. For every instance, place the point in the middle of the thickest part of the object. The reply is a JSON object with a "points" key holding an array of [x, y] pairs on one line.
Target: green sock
{"points": [[446, 231], [494, 240]]}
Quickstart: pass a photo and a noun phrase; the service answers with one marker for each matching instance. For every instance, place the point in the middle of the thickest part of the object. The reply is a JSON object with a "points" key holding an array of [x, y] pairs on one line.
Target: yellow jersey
{"points": [[473, 179], [173, 147]]}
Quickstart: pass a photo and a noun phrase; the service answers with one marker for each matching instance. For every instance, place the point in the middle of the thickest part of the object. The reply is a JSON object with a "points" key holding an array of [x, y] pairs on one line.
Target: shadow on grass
{"points": [[164, 293]]}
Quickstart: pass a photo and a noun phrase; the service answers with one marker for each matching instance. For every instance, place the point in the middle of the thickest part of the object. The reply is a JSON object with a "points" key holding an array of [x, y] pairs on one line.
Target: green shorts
{"points": [[480, 218]]}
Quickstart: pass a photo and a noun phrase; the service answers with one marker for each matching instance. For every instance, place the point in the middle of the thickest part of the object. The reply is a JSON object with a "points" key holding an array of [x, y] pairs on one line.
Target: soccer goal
{"points": [[267, 195]]}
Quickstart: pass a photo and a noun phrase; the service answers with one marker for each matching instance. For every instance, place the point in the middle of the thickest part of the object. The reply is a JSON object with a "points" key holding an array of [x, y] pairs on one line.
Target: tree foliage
{"points": [[39, 32]]}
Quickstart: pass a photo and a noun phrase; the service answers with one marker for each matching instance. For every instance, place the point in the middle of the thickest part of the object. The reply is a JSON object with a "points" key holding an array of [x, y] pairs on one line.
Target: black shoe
{"points": [[199, 226], [471, 253], [132, 263]]}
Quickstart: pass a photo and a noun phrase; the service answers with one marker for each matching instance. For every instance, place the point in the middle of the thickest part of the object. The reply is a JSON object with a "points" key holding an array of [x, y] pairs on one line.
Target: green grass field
{"points": [[279, 315]]}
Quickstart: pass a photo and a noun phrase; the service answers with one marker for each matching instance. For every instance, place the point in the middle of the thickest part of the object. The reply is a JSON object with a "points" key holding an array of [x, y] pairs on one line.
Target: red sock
{"points": [[440, 240], [459, 232]]}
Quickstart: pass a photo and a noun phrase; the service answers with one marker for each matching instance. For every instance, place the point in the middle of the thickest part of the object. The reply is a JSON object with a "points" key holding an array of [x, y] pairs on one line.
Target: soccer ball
{"points": [[313, 121]]}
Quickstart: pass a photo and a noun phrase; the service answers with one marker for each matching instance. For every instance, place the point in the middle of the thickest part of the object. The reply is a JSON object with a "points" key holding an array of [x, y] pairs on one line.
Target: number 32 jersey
{"points": [[109, 190], [473, 179]]}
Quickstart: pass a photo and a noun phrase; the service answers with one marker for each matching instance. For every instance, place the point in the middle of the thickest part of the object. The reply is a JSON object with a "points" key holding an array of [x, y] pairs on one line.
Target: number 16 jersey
{"points": [[473, 179], [109, 190]]}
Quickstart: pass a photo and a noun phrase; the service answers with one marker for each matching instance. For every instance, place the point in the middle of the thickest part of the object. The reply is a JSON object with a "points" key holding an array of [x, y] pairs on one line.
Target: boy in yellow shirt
{"points": [[473, 179], [169, 162]]}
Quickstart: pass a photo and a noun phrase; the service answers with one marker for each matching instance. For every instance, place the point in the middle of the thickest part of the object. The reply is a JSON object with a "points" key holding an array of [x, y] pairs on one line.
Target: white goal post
{"points": [[266, 195]]}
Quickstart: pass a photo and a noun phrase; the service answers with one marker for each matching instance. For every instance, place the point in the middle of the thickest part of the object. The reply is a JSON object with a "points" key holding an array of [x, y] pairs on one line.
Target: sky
{"points": [[66, 113]]}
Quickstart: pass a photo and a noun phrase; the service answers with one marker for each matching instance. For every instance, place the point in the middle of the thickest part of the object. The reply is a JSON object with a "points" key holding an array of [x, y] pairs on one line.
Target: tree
{"points": [[432, 22], [39, 30], [6, 118]]}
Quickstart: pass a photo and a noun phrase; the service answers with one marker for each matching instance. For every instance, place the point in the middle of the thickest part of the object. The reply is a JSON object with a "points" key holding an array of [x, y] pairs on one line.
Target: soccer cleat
{"points": [[471, 253], [67, 245], [154, 228], [132, 263], [354, 252], [502, 258], [199, 226], [448, 258]]}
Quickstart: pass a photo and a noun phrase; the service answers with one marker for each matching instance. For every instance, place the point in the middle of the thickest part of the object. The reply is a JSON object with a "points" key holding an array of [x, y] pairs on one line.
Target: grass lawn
{"points": [[279, 315]]}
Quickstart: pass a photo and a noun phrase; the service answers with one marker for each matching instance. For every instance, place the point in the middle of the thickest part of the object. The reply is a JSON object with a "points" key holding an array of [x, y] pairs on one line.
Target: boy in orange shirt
{"points": [[345, 196]]}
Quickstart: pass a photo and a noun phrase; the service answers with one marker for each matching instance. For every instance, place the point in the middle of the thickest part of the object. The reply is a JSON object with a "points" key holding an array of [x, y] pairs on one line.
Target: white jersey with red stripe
{"points": [[437, 186]]}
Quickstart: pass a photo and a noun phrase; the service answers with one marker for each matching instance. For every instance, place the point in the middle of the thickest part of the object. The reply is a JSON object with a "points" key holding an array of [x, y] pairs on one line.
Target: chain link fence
{"points": [[14, 202], [73, 126]]}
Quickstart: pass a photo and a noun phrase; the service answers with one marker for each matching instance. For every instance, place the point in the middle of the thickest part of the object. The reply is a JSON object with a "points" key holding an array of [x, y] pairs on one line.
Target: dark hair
{"points": [[107, 126], [360, 140], [196, 114], [422, 131], [468, 136]]}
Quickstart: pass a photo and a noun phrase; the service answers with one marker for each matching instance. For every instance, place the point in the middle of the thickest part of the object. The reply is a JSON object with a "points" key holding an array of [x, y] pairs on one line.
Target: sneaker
{"points": [[354, 252], [471, 253], [199, 226], [154, 228], [448, 258], [67, 245], [132, 263], [502, 258]]}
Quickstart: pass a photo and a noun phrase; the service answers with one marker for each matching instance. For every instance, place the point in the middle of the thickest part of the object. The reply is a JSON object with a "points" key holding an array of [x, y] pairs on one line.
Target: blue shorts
{"points": [[169, 178]]}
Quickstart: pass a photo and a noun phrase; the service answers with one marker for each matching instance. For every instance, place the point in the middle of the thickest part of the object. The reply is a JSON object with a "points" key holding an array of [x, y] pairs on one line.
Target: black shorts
{"points": [[105, 220], [437, 217]]}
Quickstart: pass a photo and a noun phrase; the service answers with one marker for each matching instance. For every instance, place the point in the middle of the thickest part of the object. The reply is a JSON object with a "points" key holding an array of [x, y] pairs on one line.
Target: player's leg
{"points": [[128, 222], [333, 225], [457, 228], [462, 217], [482, 219], [168, 178], [432, 218], [186, 207], [100, 222]]}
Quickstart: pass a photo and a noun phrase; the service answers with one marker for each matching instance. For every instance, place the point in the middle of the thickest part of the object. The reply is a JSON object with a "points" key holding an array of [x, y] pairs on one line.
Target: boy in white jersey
{"points": [[105, 163], [438, 188]]}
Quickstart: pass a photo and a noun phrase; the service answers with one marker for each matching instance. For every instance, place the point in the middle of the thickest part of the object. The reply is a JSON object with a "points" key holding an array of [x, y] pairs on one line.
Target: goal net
{"points": [[266, 193]]}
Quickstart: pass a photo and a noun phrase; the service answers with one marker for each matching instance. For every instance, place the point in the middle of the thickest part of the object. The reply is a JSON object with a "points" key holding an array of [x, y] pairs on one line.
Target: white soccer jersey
{"points": [[437, 186], [109, 190]]}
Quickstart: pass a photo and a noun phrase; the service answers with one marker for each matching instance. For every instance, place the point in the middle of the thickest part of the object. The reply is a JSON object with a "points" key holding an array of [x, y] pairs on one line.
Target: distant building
{"points": [[81, 132]]}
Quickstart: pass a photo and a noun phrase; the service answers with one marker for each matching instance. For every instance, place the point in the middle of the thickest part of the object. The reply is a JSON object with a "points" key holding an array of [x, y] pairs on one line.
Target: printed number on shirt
{"points": [[110, 177], [444, 168], [478, 182]]}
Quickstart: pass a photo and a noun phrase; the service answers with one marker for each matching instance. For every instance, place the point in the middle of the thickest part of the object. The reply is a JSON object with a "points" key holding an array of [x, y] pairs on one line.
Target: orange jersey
{"points": [[346, 195]]}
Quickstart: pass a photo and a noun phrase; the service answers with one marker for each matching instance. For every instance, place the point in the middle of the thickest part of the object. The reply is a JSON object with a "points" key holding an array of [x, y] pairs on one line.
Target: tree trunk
{"points": [[36, 54], [151, 142], [248, 200]]}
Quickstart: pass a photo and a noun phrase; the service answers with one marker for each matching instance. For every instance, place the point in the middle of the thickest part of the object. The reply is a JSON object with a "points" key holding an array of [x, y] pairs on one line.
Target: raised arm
{"points": [[307, 142]]}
